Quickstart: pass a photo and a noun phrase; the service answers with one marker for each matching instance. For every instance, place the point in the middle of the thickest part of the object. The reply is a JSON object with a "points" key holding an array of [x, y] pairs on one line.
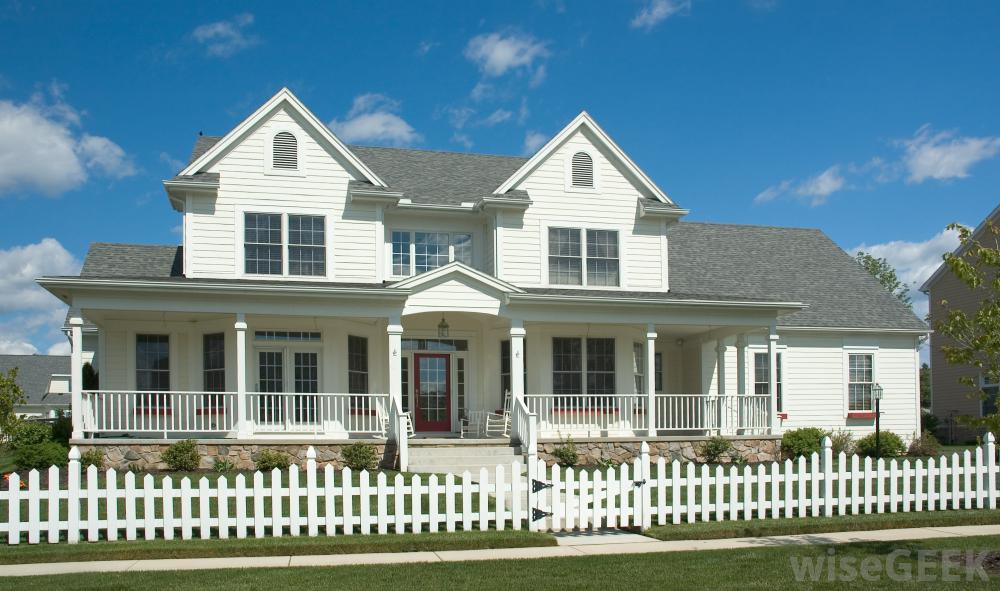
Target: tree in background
{"points": [[91, 381], [886, 275], [10, 396], [975, 337], [925, 385]]}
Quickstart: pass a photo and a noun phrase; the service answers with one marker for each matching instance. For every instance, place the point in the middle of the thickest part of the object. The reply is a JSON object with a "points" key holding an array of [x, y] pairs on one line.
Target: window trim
{"points": [[583, 228], [583, 363], [390, 266], [300, 159], [568, 170], [781, 353], [858, 350], [239, 254], [159, 403]]}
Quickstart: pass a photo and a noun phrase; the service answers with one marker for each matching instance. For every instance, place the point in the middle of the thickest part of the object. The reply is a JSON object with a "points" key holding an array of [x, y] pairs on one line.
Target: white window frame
{"points": [[568, 170], [239, 254], [857, 350], [583, 228], [300, 159], [583, 361], [413, 248], [288, 350]]}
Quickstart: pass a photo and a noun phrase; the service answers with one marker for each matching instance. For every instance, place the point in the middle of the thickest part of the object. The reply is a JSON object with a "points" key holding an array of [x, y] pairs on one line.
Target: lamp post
{"points": [[877, 395]]}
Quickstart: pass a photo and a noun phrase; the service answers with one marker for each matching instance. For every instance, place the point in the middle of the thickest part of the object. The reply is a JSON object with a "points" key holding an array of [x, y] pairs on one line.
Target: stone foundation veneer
{"points": [[147, 454], [686, 449]]}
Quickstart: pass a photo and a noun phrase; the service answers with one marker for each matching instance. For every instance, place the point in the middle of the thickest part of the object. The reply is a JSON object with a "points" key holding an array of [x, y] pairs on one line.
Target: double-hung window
{"points": [[583, 366], [418, 252], [152, 372], [860, 379], [357, 370], [639, 367], [568, 258], [213, 370], [762, 376], [265, 248]]}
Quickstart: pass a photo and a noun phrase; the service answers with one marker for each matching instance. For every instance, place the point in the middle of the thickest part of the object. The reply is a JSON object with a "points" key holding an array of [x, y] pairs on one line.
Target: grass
{"points": [[284, 546], [743, 570], [814, 525]]}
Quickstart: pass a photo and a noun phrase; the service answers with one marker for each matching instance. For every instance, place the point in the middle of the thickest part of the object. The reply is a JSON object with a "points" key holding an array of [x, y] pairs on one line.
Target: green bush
{"points": [[715, 449], [565, 453], [39, 456], [891, 445], [29, 433], [224, 466], [182, 456], [802, 442], [929, 421], [269, 459], [925, 445], [604, 463], [841, 441], [361, 456], [62, 428], [92, 457]]}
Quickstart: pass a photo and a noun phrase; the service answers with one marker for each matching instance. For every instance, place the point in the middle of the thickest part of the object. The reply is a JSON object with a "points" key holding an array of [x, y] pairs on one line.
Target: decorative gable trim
{"points": [[583, 120], [287, 97], [456, 268]]}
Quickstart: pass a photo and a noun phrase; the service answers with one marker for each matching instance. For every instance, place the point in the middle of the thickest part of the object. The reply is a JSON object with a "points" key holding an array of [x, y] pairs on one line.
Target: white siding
{"points": [[612, 205]]}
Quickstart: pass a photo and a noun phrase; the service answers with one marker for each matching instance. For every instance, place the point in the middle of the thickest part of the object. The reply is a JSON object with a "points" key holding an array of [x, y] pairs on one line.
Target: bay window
{"points": [[568, 258]]}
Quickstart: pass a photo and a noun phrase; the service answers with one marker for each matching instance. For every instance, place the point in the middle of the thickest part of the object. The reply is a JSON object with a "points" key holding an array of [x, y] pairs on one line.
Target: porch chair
{"points": [[471, 424], [384, 419], [498, 423]]}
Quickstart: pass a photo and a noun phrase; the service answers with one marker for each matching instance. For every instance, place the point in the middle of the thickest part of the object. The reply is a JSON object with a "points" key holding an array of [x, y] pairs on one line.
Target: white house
{"points": [[320, 286]]}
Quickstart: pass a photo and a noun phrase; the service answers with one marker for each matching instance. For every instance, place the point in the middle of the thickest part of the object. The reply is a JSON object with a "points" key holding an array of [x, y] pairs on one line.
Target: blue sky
{"points": [[874, 121]]}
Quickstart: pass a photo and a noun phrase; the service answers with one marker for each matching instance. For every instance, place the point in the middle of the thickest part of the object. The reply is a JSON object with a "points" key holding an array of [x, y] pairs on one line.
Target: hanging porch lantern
{"points": [[443, 328]]}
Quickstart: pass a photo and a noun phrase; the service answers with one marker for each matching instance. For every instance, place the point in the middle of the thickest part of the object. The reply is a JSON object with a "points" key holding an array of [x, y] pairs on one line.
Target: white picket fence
{"points": [[313, 501]]}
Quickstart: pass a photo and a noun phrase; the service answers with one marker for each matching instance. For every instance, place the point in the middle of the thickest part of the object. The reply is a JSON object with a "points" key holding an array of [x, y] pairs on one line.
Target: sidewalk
{"points": [[570, 544]]}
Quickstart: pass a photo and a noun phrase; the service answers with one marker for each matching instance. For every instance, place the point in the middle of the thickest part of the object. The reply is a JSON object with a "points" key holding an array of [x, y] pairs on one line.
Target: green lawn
{"points": [[815, 525], [284, 546], [746, 569]]}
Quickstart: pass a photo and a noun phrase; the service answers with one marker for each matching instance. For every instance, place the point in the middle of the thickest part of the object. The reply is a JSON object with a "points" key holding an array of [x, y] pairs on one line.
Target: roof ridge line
{"points": [[438, 151]]}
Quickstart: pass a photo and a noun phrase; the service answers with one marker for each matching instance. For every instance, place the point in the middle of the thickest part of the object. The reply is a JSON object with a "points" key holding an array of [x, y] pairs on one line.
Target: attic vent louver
{"points": [[286, 151], [583, 170]]}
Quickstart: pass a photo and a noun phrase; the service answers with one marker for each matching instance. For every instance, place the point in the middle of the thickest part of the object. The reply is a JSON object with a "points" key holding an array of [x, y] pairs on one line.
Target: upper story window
{"points": [[582, 171], [264, 246], [286, 151], [419, 252], [568, 258]]}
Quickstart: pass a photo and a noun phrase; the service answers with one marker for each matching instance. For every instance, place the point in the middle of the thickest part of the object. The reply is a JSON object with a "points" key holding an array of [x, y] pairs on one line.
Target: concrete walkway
{"points": [[570, 544]]}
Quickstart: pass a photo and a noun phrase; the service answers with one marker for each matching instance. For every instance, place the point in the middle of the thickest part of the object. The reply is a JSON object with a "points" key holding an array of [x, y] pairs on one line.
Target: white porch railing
{"points": [[588, 415], [318, 414], [713, 414], [121, 411], [397, 431], [524, 426]]}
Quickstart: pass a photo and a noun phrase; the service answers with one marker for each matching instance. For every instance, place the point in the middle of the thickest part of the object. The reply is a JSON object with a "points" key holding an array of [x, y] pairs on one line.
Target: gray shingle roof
{"points": [[792, 264], [202, 145], [33, 374], [133, 260]]}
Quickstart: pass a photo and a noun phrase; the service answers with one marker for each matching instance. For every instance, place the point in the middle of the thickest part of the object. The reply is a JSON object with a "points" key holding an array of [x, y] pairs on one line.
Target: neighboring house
{"points": [[44, 380], [318, 280], [951, 399]]}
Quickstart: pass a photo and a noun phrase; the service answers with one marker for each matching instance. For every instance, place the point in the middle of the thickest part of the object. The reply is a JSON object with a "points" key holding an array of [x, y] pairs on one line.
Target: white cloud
{"points": [[943, 155], [226, 38], [522, 111], [459, 116], [914, 262], [534, 140], [497, 117], [172, 163], [424, 47], [481, 91], [463, 139], [29, 314], [499, 53], [773, 192], [821, 186], [41, 149], [59, 348], [654, 12], [538, 77], [373, 118]]}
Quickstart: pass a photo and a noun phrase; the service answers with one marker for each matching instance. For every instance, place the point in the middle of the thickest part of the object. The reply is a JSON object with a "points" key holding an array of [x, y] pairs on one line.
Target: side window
{"points": [[861, 372]]}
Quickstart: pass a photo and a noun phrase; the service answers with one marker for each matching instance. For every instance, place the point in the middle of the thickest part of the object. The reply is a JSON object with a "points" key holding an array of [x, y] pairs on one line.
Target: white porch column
{"points": [[395, 331], [76, 375], [651, 378], [741, 364], [517, 333], [772, 376], [720, 364], [242, 408]]}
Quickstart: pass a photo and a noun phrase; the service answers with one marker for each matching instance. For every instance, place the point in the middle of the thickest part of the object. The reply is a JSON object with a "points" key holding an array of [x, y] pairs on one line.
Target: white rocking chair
{"points": [[498, 423]]}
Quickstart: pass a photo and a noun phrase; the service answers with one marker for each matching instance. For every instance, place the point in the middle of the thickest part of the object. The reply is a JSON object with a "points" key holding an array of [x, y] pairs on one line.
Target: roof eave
{"points": [[598, 299], [500, 202]]}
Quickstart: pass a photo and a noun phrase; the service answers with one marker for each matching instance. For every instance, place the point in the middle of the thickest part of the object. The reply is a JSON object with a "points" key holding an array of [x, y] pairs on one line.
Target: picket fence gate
{"points": [[103, 506]]}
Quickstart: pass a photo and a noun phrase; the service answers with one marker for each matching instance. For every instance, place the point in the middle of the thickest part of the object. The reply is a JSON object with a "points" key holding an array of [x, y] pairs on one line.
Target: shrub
{"points": [[269, 459], [715, 449], [891, 445], [802, 442], [565, 453], [182, 456], [62, 428], [29, 433], [925, 445], [605, 463], [92, 457], [224, 466], [39, 456], [841, 441], [361, 456]]}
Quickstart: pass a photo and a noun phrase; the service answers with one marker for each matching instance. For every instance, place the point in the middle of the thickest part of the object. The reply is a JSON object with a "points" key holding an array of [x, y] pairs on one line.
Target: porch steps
{"points": [[457, 456]]}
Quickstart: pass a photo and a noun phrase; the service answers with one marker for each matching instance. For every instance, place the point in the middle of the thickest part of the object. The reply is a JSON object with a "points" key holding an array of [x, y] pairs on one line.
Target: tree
{"points": [[91, 381], [10, 396], [975, 338], [885, 274], [925, 385]]}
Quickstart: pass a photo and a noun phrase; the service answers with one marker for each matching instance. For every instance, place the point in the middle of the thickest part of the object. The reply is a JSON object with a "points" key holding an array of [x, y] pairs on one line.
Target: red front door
{"points": [[432, 390]]}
